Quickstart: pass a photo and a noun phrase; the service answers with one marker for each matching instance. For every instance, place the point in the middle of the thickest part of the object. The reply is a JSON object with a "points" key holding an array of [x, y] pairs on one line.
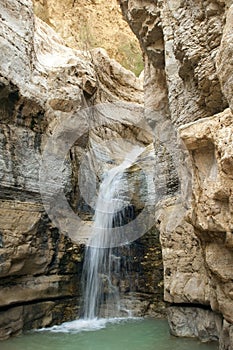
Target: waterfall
{"points": [[101, 270]]}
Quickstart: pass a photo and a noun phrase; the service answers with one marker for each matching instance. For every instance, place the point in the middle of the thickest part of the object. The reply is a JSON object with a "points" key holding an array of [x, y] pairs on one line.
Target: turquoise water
{"points": [[134, 334]]}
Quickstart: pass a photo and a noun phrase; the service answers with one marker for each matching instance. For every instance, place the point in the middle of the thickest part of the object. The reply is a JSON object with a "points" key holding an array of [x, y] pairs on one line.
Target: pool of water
{"points": [[115, 334]]}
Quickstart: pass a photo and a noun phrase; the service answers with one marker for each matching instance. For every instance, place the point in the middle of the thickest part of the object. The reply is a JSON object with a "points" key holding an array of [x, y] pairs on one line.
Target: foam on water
{"points": [[84, 325]]}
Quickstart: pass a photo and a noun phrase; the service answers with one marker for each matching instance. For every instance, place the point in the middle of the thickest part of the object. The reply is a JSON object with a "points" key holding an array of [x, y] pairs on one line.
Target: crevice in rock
{"points": [[189, 305], [19, 194]]}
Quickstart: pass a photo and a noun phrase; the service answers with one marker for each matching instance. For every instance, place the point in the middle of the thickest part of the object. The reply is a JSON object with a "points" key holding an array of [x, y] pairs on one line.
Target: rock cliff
{"points": [[48, 93], [188, 99], [85, 25], [188, 105]]}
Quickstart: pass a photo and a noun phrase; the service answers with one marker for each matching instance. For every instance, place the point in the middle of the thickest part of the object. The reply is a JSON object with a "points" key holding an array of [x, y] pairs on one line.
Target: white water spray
{"points": [[101, 267]]}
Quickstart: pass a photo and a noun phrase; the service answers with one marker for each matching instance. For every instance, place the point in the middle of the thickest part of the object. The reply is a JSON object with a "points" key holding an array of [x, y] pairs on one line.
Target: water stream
{"points": [[101, 271]]}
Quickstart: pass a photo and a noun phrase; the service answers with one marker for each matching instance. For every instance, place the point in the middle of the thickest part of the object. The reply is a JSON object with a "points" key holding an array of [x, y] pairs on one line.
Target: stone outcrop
{"points": [[210, 146], [225, 55], [188, 89], [89, 24], [39, 267], [42, 84], [196, 323]]}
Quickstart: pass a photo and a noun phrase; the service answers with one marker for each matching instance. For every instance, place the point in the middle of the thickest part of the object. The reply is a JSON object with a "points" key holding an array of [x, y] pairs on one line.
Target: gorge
{"points": [[179, 111]]}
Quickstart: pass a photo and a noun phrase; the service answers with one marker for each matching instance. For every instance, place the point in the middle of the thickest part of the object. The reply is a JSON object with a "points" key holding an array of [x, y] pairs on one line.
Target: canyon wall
{"points": [[44, 87], [85, 25], [188, 101], [39, 267], [188, 105]]}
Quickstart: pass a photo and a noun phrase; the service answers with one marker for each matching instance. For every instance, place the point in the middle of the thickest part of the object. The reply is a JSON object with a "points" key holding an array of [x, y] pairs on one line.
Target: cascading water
{"points": [[101, 267]]}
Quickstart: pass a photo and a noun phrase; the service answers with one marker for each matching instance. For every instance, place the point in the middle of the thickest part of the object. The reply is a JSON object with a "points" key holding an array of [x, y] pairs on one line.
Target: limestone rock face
{"points": [[90, 24], [115, 82], [188, 89], [194, 323], [43, 83], [183, 40], [225, 55], [210, 146]]}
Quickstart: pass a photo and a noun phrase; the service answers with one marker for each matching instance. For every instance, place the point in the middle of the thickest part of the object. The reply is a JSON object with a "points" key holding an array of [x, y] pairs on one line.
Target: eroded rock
{"points": [[42, 84], [194, 322], [191, 88]]}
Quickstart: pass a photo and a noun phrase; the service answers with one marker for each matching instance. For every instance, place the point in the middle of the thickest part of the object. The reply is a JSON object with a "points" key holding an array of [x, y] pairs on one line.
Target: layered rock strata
{"points": [[43, 83], [188, 89]]}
